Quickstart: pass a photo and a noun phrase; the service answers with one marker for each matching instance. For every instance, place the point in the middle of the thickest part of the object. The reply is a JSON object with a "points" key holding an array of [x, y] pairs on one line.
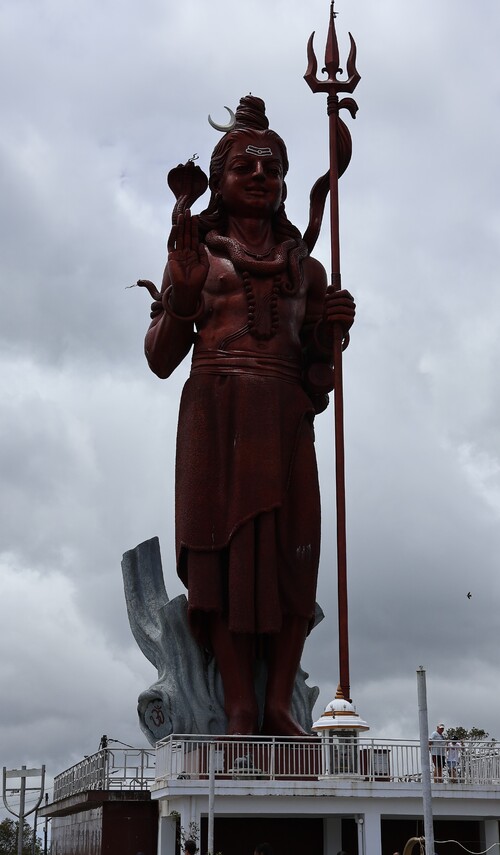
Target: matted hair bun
{"points": [[251, 114]]}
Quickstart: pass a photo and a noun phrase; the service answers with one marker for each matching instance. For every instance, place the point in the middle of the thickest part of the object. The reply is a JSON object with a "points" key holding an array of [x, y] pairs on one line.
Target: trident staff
{"points": [[337, 130]]}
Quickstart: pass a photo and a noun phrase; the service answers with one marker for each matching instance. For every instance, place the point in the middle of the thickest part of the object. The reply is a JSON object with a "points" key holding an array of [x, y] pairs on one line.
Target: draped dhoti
{"points": [[247, 495]]}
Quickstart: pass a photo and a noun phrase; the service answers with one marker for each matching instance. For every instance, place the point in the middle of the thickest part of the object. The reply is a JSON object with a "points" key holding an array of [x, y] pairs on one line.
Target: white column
{"points": [[166, 835], [360, 828], [332, 835], [372, 832], [190, 812], [491, 835]]}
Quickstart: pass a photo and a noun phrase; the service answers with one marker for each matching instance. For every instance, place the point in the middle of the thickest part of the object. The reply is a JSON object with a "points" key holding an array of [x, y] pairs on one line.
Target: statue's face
{"points": [[252, 181]]}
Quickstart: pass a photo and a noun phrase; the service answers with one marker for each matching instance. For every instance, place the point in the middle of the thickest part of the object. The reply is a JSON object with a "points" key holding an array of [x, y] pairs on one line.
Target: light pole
{"points": [[23, 773]]}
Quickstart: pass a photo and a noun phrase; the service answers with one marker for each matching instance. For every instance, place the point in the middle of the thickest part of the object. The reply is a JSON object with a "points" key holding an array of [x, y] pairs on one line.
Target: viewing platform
{"points": [[331, 761], [358, 793]]}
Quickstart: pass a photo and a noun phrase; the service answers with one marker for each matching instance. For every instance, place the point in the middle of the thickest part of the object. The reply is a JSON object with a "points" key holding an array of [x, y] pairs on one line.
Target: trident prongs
{"points": [[331, 85]]}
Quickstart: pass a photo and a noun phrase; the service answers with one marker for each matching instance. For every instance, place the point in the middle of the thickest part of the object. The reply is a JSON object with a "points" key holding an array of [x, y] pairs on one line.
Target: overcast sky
{"points": [[99, 100]]}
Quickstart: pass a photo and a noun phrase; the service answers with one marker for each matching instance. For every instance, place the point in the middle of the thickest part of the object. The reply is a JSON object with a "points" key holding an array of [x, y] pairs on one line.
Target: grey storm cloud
{"points": [[99, 101]]}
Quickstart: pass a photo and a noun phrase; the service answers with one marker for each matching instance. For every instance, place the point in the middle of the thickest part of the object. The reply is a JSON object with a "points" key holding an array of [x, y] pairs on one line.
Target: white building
{"points": [[365, 795]]}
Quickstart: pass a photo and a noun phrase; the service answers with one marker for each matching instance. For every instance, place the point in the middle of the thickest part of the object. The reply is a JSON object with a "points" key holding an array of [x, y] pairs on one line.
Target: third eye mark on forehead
{"points": [[259, 152]]}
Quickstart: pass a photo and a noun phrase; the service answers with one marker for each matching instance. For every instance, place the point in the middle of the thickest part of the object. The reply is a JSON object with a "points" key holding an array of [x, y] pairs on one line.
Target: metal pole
{"points": [[45, 829], [21, 814], [338, 398], [332, 87], [424, 761], [211, 797], [35, 823]]}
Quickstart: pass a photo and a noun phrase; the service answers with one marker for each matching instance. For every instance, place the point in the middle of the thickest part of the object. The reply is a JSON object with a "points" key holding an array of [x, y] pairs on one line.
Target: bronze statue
{"points": [[241, 286]]}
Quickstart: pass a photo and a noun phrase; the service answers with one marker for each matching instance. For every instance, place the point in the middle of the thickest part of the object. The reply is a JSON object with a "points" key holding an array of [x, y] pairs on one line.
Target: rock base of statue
{"points": [[188, 697]]}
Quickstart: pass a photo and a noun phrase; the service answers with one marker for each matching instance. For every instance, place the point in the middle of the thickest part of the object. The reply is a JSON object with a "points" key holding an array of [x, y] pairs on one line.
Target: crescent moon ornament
{"points": [[224, 128]]}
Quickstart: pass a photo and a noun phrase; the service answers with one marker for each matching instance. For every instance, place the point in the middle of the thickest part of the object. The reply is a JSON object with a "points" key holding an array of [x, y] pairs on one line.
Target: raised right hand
{"points": [[187, 266]]}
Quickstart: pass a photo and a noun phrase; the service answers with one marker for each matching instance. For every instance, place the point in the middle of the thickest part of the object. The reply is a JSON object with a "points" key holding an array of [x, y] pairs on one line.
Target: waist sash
{"points": [[239, 362]]}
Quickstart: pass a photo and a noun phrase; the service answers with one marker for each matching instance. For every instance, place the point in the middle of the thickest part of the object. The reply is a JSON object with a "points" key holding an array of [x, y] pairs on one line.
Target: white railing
{"points": [[272, 758], [477, 763], [108, 769]]}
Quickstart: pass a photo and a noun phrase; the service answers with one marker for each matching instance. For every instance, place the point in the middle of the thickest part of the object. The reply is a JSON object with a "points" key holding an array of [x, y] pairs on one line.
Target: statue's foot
{"points": [[280, 723], [241, 723]]}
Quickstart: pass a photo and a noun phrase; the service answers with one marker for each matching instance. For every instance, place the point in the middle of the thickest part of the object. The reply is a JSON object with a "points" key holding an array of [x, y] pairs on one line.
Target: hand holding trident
{"points": [[332, 87]]}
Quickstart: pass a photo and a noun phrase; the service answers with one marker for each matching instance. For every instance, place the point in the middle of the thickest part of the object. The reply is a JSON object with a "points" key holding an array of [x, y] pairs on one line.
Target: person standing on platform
{"points": [[437, 745]]}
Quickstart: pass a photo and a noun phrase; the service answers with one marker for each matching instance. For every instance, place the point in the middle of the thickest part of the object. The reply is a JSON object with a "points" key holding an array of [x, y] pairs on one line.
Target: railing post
{"points": [[211, 797], [105, 768], [272, 768]]}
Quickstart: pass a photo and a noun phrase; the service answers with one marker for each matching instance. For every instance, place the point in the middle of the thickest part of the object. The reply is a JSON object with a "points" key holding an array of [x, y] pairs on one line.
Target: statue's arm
{"points": [[324, 308], [169, 338], [171, 332], [315, 276]]}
